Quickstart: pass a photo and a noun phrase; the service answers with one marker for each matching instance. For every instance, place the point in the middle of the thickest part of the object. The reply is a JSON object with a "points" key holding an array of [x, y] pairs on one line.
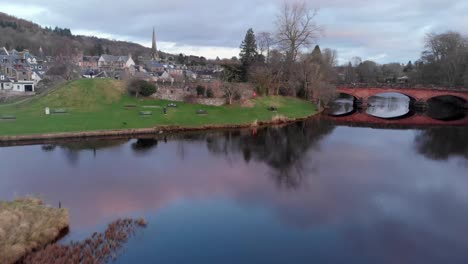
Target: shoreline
{"points": [[157, 130]]}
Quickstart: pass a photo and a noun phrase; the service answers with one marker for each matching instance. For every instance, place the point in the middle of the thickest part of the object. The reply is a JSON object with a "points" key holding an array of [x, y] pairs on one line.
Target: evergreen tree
{"points": [[99, 49], [249, 53], [317, 55], [409, 67]]}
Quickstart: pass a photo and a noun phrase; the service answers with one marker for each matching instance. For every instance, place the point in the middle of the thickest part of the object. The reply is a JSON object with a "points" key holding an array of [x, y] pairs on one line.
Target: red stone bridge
{"points": [[416, 120], [416, 94]]}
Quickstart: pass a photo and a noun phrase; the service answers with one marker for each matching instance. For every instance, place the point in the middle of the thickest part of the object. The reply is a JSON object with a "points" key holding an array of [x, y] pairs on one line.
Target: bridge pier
{"points": [[360, 103], [419, 106]]}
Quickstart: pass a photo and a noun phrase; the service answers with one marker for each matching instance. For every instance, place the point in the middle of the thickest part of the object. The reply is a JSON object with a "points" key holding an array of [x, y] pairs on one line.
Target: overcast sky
{"points": [[384, 31]]}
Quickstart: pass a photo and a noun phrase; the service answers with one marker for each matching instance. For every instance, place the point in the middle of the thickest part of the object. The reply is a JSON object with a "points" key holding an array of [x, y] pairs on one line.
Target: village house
{"points": [[7, 84], [112, 63], [19, 71], [154, 66], [90, 62]]}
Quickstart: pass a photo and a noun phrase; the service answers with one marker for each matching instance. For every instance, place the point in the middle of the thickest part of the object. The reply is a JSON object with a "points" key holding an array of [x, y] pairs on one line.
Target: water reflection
{"points": [[308, 192], [282, 149], [144, 145], [443, 143], [343, 105], [446, 108], [388, 105]]}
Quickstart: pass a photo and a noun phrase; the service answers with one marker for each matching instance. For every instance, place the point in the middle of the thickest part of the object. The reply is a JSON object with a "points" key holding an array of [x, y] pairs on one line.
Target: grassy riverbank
{"points": [[93, 105], [27, 224]]}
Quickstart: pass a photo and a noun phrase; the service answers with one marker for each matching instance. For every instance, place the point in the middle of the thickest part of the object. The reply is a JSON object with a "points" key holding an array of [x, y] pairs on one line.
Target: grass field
{"points": [[100, 104]]}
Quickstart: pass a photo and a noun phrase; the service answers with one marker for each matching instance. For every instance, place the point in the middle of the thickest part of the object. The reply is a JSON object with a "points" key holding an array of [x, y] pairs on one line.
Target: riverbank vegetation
{"points": [[103, 104], [26, 225], [99, 248], [283, 62]]}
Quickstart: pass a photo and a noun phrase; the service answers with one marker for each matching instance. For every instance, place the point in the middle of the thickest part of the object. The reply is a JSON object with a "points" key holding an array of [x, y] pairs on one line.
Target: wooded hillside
{"points": [[20, 34]]}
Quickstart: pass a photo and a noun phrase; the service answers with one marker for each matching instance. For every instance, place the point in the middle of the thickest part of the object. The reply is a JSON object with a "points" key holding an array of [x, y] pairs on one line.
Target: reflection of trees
{"points": [[282, 149], [446, 108], [73, 149], [48, 148], [442, 143], [144, 145]]}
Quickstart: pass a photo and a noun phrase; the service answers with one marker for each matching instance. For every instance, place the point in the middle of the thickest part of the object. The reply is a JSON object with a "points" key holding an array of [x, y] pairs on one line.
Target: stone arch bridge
{"points": [[420, 95]]}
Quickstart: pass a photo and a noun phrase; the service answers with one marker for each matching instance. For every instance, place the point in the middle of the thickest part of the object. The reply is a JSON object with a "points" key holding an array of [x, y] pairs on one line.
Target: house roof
{"points": [[112, 58], [4, 51], [91, 58], [154, 64]]}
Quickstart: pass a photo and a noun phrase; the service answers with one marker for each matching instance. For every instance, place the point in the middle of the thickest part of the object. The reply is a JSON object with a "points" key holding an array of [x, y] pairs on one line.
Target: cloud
{"points": [[216, 28]]}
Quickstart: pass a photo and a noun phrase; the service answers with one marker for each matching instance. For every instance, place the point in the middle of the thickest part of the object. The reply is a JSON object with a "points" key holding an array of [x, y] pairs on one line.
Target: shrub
{"points": [[141, 87], [237, 95], [209, 93], [200, 90]]}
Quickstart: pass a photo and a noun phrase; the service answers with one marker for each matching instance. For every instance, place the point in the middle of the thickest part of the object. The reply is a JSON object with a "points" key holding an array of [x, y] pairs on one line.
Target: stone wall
{"points": [[172, 94], [180, 94], [211, 101]]}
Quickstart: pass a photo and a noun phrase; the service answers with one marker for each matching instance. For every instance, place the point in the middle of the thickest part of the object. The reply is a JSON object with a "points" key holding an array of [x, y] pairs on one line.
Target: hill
{"points": [[102, 104], [16, 33]]}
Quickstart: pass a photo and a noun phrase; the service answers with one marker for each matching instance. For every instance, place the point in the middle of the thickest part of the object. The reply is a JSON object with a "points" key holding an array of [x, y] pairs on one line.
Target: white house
{"points": [[35, 77], [18, 86]]}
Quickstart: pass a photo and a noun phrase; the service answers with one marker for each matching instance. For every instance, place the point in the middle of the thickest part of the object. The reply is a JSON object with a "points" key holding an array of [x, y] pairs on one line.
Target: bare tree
{"points": [[317, 76], [355, 61], [229, 90], [447, 51], [296, 28], [330, 57], [265, 42]]}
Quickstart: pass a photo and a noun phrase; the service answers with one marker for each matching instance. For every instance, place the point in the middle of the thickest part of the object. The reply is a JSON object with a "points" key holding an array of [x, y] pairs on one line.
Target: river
{"points": [[310, 192]]}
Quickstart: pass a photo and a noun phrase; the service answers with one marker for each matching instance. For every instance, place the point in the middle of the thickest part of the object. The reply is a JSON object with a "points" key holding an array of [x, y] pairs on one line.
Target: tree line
{"points": [[444, 62], [280, 62]]}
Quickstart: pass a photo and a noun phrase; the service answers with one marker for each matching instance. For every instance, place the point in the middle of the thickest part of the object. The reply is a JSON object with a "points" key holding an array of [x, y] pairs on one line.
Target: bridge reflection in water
{"points": [[415, 120], [396, 109]]}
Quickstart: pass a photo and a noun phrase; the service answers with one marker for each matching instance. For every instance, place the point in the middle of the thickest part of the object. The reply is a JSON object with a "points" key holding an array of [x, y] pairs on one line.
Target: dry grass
{"points": [[254, 123], [26, 225], [279, 119]]}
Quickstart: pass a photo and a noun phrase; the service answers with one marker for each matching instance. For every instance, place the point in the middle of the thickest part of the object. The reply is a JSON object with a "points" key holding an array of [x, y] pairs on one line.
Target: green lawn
{"points": [[100, 105]]}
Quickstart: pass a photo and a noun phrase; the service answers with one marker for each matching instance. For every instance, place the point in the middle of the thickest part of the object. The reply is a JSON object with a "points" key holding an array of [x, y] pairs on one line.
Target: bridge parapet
{"points": [[417, 94]]}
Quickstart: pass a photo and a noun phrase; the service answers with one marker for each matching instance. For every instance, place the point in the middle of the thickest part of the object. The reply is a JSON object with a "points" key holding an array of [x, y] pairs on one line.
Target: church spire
{"points": [[154, 49]]}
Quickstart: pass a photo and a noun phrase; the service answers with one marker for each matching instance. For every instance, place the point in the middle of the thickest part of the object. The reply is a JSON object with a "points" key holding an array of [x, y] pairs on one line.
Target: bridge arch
{"points": [[346, 93], [411, 97], [458, 97]]}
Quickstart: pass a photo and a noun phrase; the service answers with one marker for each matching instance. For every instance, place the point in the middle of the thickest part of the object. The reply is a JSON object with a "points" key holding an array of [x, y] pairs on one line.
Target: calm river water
{"points": [[310, 192]]}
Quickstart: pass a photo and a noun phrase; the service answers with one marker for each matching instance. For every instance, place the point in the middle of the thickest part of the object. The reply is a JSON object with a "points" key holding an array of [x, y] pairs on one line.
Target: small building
{"points": [[154, 66], [403, 79], [16, 86]]}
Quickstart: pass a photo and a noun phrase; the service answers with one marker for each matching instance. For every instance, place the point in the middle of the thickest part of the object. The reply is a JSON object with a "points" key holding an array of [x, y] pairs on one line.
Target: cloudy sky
{"points": [[384, 31]]}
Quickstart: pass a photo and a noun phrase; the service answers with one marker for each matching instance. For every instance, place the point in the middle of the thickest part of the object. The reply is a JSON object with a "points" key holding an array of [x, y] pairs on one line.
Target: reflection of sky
{"points": [[388, 105], [368, 197], [342, 106]]}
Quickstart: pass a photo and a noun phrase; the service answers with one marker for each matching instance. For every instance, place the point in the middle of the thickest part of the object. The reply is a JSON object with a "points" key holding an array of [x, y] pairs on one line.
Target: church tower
{"points": [[154, 49]]}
